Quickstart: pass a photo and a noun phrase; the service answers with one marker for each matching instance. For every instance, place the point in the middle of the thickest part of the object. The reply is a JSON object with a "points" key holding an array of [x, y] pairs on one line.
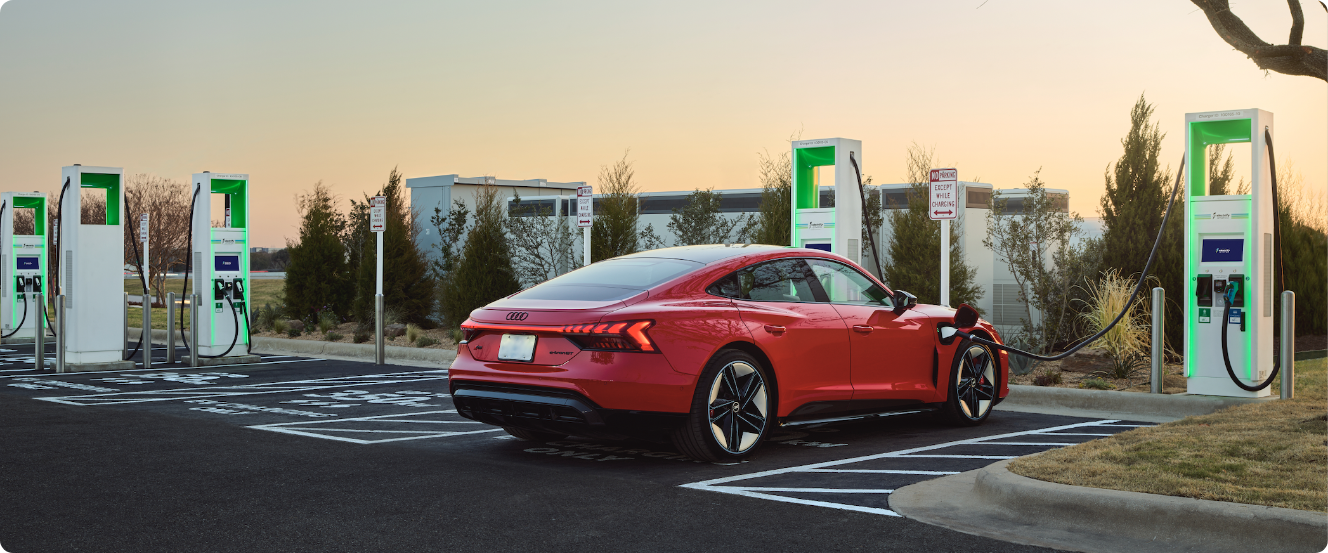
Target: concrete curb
{"points": [[996, 503], [314, 348], [1116, 405]]}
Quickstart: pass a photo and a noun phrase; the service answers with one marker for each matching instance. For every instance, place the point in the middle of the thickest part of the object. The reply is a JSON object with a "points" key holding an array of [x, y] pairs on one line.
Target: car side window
{"points": [[844, 284], [777, 280], [726, 287]]}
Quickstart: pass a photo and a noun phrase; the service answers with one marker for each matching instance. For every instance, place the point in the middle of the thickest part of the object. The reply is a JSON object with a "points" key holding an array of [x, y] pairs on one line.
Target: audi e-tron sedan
{"points": [[714, 347]]}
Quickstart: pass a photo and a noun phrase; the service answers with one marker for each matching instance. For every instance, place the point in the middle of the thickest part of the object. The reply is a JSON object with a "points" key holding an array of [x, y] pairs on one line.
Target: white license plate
{"points": [[516, 347]]}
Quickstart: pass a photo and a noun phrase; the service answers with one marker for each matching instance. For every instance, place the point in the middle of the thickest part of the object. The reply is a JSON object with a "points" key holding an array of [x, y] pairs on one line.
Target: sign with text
{"points": [[143, 227], [377, 213], [944, 194], [584, 208]]}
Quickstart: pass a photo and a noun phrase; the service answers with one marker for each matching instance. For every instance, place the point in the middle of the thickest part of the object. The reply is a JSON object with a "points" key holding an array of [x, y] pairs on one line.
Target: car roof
{"points": [[711, 253]]}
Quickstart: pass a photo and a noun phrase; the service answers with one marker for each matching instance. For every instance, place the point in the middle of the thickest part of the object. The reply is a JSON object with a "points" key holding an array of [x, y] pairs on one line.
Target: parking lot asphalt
{"points": [[297, 454]]}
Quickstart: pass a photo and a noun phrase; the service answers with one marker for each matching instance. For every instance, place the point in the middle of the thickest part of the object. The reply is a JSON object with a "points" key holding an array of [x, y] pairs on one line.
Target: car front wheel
{"points": [[733, 410], [972, 385]]}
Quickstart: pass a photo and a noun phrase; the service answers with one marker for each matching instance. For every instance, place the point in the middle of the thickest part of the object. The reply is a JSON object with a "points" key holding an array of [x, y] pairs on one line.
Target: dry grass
{"points": [[1126, 342], [346, 333], [1272, 453]]}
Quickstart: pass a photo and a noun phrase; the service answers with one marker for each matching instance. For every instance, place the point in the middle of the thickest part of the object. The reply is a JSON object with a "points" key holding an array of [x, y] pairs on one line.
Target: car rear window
{"points": [[621, 275], [578, 292]]}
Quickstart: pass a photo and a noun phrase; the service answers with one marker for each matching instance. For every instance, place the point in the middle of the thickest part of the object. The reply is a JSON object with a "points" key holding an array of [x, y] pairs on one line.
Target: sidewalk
{"points": [[996, 503]]}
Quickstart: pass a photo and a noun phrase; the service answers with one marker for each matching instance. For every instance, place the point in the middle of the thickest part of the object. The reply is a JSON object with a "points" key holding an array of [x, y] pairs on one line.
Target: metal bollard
{"points": [[1288, 345], [194, 300], [39, 337], [1159, 338], [145, 333], [170, 328], [380, 343], [124, 352], [60, 333]]}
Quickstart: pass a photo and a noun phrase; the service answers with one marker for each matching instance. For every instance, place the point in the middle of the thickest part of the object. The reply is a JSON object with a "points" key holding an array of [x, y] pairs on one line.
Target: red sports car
{"points": [[714, 347]]}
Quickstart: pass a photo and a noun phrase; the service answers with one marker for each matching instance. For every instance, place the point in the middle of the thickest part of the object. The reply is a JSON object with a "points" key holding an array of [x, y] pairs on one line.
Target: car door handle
{"points": [[775, 329], [865, 329]]}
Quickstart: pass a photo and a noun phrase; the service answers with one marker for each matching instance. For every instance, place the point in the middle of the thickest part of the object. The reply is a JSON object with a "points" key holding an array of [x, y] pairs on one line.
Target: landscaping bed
{"points": [[1270, 453], [1092, 369], [345, 333]]}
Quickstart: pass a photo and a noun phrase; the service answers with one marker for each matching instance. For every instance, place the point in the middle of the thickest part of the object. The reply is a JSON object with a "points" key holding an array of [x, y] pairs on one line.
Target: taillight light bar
{"points": [[614, 336]]}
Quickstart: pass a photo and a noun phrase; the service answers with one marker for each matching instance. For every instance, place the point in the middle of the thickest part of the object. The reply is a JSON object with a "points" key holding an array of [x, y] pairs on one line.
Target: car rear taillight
{"points": [[617, 336]]}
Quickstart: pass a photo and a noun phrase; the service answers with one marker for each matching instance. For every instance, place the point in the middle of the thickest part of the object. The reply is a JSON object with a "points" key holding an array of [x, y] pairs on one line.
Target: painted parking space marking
{"points": [[749, 485], [383, 428], [294, 386]]}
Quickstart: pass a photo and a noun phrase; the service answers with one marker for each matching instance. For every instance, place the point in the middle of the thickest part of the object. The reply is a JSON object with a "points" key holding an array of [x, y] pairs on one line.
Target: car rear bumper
{"points": [[556, 411]]}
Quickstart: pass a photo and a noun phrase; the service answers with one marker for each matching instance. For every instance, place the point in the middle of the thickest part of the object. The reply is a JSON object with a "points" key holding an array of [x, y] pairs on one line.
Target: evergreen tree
{"points": [[408, 286], [1138, 189], [771, 225], [317, 277], [484, 271], [913, 255], [614, 231]]}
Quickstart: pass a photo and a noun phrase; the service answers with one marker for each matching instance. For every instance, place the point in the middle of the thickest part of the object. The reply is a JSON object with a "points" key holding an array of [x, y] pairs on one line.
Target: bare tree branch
{"points": [[1292, 58]]}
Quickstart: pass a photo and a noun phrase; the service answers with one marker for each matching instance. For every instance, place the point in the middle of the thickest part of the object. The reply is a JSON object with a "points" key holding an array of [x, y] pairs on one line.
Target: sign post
{"points": [[584, 217], [378, 224], [944, 207], [145, 331]]}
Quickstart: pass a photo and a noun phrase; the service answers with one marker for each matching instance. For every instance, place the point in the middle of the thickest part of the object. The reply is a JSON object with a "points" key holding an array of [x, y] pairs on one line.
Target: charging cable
{"points": [[950, 331], [1233, 287], [866, 217]]}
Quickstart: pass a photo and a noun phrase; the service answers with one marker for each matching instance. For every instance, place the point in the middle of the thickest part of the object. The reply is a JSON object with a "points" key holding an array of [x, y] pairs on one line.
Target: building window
{"points": [[978, 197], [1008, 310]]}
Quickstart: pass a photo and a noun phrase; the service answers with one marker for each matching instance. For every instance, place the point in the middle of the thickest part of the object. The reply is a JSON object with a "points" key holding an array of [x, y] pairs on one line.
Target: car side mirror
{"points": [[903, 301], [966, 316]]}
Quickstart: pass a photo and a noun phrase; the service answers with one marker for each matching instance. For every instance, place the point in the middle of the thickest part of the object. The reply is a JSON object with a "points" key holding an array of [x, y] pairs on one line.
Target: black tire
{"points": [[974, 383], [734, 396], [532, 435]]}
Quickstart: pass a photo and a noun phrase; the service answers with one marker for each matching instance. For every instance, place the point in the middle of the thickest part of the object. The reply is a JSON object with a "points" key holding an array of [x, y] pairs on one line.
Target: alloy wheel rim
{"points": [[738, 407], [975, 382]]}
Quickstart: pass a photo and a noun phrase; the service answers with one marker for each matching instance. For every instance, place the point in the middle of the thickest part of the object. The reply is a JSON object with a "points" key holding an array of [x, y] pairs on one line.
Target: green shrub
{"points": [[293, 332], [413, 333], [279, 326], [360, 336], [1049, 377], [1096, 384], [333, 337], [425, 341], [327, 321]]}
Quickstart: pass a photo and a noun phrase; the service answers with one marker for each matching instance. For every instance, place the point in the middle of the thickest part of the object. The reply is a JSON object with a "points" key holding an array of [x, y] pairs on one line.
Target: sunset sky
{"points": [[294, 92]]}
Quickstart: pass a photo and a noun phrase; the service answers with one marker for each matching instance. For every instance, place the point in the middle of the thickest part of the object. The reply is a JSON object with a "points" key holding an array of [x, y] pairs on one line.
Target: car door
{"points": [[891, 354], [803, 336]]}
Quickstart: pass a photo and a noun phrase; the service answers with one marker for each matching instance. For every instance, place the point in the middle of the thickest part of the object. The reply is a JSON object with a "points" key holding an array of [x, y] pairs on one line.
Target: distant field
{"points": [[261, 291]]}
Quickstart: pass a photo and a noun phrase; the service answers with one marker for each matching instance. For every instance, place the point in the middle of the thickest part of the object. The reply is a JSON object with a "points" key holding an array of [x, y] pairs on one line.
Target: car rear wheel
{"points": [[732, 410], [532, 435], [972, 385]]}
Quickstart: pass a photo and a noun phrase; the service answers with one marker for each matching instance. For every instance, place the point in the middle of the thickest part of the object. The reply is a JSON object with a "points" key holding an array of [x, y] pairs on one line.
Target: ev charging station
{"points": [[92, 271], [1229, 254], [221, 269], [22, 267], [835, 228]]}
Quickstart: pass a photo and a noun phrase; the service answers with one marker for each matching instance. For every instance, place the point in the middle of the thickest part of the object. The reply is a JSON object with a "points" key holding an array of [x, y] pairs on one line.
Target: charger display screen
{"points": [[1220, 250], [227, 263], [29, 263]]}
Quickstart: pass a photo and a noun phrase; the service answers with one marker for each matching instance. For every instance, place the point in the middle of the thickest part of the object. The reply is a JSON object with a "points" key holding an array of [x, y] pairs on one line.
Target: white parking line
{"points": [[883, 471], [314, 429], [117, 398], [725, 484]]}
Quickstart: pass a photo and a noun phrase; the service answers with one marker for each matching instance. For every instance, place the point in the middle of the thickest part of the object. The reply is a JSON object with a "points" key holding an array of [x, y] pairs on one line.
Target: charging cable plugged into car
{"points": [[1233, 293]]}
